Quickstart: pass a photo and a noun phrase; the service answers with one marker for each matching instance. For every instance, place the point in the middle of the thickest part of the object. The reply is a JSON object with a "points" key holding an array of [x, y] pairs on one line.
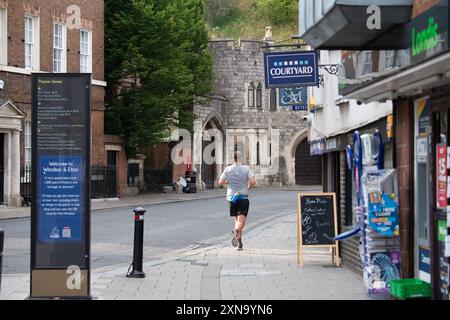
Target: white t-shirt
{"points": [[237, 176]]}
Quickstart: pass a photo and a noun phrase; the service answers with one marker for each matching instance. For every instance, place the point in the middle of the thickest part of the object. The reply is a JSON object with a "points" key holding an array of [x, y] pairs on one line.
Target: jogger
{"points": [[240, 180]]}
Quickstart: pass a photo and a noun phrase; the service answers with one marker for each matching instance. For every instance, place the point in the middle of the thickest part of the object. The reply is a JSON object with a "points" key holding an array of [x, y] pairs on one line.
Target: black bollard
{"points": [[2, 235], [138, 250]]}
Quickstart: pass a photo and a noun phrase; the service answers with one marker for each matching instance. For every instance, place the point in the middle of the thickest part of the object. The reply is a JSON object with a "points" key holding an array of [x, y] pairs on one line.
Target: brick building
{"points": [[51, 36]]}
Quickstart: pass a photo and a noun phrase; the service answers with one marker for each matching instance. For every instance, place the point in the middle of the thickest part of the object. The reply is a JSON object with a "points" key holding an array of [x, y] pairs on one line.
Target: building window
{"points": [[258, 158], [3, 37], [389, 56], [59, 48], [31, 28], [259, 96], [27, 136], [251, 95], [273, 99], [402, 58], [368, 63], [85, 52], [28, 42]]}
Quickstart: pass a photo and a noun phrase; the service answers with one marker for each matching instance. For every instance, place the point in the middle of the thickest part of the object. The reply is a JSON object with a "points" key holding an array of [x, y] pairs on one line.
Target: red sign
{"points": [[441, 176]]}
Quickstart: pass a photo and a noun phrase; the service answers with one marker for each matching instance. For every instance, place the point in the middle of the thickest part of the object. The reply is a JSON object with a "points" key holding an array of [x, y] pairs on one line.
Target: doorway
{"points": [[308, 169], [111, 174]]}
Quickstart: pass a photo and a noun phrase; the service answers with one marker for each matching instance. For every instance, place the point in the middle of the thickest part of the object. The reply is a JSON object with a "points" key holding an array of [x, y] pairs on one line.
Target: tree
{"points": [[157, 63]]}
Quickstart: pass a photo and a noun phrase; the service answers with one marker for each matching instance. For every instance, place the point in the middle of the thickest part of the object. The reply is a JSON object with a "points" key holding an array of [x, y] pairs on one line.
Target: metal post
{"points": [[2, 235], [138, 250]]}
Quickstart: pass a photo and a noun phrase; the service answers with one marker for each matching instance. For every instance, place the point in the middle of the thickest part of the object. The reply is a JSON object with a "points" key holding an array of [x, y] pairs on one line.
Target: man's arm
{"points": [[223, 179], [251, 182]]}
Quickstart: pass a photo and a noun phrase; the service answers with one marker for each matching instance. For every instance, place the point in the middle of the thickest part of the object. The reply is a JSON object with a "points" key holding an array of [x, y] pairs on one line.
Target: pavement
{"points": [[266, 269]]}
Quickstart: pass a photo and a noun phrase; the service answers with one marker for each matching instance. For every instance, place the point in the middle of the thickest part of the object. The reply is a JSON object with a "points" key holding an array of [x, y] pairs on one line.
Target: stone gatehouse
{"points": [[244, 115]]}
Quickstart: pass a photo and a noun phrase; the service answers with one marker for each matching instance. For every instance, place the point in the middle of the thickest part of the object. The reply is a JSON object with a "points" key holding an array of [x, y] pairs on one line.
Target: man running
{"points": [[240, 180]]}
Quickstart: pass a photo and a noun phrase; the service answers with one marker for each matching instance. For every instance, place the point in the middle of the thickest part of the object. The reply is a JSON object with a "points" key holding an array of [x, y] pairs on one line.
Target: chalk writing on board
{"points": [[317, 218]]}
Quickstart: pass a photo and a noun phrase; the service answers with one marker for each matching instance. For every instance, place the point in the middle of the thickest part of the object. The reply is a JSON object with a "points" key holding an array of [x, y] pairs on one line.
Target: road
{"points": [[168, 227]]}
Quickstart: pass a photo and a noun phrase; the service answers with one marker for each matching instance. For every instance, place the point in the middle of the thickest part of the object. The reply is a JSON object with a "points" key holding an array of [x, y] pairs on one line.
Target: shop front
{"points": [[420, 90], [339, 178]]}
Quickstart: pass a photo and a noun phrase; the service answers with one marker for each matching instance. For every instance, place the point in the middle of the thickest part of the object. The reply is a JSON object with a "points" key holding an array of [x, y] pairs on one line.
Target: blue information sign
{"points": [[295, 99], [61, 198], [291, 69]]}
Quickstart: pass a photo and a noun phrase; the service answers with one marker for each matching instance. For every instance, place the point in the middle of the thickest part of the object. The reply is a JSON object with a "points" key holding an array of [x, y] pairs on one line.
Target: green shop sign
{"points": [[425, 39], [428, 33]]}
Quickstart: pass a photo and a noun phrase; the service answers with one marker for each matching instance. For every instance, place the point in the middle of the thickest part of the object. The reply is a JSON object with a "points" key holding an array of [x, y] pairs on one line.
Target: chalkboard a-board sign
{"points": [[317, 223]]}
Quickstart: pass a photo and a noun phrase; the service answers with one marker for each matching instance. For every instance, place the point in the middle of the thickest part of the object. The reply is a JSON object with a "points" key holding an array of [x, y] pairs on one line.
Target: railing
{"points": [[25, 185], [103, 182]]}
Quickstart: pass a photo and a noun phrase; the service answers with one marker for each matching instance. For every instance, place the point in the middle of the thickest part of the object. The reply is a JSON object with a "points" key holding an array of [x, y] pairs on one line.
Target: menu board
{"points": [[317, 222]]}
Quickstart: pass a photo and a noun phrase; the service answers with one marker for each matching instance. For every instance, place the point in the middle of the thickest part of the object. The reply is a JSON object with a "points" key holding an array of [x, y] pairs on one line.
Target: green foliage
{"points": [[249, 18], [218, 12], [278, 11], [157, 62]]}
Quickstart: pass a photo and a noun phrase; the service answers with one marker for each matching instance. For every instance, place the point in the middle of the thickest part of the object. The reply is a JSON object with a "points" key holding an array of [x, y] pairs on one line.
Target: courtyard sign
{"points": [[291, 69]]}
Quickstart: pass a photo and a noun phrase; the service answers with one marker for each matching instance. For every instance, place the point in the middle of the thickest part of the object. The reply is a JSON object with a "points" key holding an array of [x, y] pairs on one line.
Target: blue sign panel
{"points": [[291, 69], [424, 264], [295, 99], [61, 198]]}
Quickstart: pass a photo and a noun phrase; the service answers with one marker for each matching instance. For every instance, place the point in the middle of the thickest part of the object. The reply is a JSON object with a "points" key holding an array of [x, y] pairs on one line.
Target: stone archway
{"points": [[308, 169], [289, 154], [213, 141]]}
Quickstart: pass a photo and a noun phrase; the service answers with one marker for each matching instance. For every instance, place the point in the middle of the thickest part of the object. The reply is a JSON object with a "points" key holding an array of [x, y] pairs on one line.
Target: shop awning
{"points": [[342, 24]]}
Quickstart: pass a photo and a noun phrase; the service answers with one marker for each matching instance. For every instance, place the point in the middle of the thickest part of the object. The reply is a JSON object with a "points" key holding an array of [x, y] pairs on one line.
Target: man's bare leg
{"points": [[239, 226]]}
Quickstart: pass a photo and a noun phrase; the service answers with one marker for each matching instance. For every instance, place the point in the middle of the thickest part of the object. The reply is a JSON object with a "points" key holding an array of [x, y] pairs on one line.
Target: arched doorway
{"points": [[212, 145], [308, 169]]}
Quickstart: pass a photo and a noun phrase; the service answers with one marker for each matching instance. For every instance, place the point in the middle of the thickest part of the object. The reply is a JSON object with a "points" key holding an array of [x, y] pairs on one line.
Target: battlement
{"points": [[229, 44]]}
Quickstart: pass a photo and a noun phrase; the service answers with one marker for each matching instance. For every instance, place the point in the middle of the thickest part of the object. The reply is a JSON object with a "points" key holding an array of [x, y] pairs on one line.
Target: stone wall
{"points": [[236, 66]]}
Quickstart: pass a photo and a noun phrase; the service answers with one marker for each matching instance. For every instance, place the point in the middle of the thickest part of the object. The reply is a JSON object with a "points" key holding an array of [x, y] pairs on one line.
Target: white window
{"points": [[389, 56], [28, 42], [59, 47], [368, 63], [27, 144], [3, 37], [85, 52], [31, 42]]}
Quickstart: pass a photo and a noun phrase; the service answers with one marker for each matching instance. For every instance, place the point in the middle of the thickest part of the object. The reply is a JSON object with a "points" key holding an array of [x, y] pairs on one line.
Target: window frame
{"points": [[27, 144], [273, 99], [251, 95], [28, 42], [62, 48], [3, 36], [259, 98], [389, 56], [87, 55]]}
